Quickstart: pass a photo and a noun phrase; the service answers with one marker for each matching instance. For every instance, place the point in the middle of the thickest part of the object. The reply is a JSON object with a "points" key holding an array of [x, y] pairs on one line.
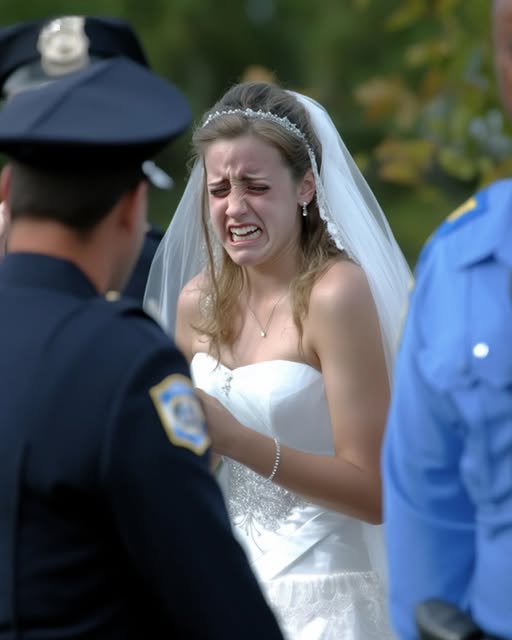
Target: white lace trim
{"points": [[343, 606]]}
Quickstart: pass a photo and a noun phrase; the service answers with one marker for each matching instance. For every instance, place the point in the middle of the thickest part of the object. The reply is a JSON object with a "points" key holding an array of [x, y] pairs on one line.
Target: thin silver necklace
{"points": [[264, 329]]}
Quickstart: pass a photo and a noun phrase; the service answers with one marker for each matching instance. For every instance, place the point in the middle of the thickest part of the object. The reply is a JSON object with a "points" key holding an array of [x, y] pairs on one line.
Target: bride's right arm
{"points": [[187, 316]]}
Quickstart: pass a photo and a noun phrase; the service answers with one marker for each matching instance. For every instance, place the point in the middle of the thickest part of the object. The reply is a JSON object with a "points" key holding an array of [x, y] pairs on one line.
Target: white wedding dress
{"points": [[317, 567]]}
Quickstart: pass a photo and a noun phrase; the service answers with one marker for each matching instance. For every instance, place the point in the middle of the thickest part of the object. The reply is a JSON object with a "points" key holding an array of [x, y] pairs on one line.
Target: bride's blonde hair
{"points": [[224, 280]]}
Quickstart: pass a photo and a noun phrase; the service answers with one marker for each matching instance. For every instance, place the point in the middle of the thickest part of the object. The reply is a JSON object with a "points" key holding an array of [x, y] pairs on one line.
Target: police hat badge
{"points": [[63, 45]]}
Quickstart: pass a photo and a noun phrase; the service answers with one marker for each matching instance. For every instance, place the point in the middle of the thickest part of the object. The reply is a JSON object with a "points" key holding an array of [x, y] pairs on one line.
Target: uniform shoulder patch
{"points": [[180, 413], [464, 208], [464, 213]]}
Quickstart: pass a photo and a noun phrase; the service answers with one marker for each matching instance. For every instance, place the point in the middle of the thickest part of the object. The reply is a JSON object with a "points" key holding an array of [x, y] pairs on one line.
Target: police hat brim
{"points": [[108, 37], [114, 113]]}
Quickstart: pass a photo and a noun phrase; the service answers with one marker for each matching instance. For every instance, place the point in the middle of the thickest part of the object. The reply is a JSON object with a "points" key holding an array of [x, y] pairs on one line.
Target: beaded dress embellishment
{"points": [[255, 504]]}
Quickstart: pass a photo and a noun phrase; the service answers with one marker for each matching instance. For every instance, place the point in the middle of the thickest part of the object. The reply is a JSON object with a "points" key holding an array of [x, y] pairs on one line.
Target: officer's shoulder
{"points": [[459, 230], [475, 209], [127, 318], [459, 235], [155, 233]]}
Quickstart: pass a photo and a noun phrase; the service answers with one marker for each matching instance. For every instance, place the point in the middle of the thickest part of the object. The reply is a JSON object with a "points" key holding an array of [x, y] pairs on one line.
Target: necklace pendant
{"points": [[264, 328]]}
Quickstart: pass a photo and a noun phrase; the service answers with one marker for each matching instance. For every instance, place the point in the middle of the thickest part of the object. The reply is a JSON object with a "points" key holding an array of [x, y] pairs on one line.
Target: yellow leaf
{"points": [[399, 173], [445, 8], [387, 95], [432, 83], [424, 53], [417, 152], [405, 16], [258, 73], [457, 165]]}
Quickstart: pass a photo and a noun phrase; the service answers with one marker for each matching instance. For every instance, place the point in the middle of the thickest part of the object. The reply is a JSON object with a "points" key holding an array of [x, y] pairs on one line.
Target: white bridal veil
{"points": [[350, 210]]}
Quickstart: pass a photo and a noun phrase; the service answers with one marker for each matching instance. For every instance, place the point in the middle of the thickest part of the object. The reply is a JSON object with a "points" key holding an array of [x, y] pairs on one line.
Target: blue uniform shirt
{"points": [[447, 455], [111, 526]]}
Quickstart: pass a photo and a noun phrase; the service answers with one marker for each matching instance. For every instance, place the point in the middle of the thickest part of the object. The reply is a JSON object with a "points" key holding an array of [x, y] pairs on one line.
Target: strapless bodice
{"points": [[285, 400], [281, 398]]}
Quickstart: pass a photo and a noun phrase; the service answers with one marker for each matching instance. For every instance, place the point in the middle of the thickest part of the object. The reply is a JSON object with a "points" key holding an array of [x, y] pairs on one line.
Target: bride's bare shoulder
{"points": [[342, 297], [342, 283], [188, 314], [188, 300]]}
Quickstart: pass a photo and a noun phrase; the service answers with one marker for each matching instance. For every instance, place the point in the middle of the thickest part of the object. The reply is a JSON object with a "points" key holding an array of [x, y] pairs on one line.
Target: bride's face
{"points": [[253, 199]]}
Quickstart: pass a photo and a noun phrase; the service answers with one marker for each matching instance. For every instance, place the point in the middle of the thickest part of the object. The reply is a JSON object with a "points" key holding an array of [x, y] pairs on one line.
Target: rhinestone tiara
{"points": [[282, 121]]}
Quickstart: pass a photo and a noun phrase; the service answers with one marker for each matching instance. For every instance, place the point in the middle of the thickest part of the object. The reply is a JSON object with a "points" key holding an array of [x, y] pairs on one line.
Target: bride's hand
{"points": [[221, 424]]}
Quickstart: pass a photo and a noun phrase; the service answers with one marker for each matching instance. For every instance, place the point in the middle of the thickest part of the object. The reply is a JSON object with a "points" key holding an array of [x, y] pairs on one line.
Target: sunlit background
{"points": [[409, 83]]}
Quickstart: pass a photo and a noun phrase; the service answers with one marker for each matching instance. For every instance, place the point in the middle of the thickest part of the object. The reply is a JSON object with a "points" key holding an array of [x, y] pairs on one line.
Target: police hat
{"points": [[112, 114], [44, 49]]}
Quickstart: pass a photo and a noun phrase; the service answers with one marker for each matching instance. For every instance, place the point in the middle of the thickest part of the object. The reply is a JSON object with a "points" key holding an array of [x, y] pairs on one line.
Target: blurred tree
{"points": [[409, 84], [439, 108]]}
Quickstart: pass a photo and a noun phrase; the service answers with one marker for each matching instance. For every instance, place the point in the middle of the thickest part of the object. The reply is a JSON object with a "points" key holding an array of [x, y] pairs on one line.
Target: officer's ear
{"points": [[5, 183], [133, 205]]}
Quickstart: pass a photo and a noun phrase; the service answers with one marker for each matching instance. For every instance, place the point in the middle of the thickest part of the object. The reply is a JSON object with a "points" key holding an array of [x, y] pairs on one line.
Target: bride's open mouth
{"points": [[247, 232]]}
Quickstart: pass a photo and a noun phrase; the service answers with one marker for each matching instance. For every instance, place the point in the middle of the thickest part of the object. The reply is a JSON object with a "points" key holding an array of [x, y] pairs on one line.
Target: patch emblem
{"points": [[469, 205], [466, 212], [180, 413]]}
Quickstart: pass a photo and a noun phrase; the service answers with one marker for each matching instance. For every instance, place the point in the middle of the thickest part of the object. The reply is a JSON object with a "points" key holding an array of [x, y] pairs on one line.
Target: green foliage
{"points": [[442, 96], [409, 84]]}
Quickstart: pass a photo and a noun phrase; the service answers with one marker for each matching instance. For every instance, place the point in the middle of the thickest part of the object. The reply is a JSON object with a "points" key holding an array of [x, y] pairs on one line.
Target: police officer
{"points": [[447, 455], [111, 526], [39, 51]]}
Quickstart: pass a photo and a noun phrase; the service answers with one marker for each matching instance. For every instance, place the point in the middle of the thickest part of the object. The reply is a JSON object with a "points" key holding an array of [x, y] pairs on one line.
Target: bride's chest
{"points": [[280, 398]]}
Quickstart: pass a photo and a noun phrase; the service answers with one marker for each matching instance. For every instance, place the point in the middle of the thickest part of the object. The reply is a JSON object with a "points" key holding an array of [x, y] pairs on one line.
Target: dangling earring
{"points": [[304, 209]]}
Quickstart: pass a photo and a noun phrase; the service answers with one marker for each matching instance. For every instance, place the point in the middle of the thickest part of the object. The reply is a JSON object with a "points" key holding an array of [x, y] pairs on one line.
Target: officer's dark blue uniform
{"points": [[137, 284], [447, 457], [41, 50], [111, 526]]}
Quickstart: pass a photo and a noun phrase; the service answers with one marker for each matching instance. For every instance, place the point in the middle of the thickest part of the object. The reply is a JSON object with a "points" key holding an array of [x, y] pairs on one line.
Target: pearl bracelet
{"points": [[276, 461]]}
